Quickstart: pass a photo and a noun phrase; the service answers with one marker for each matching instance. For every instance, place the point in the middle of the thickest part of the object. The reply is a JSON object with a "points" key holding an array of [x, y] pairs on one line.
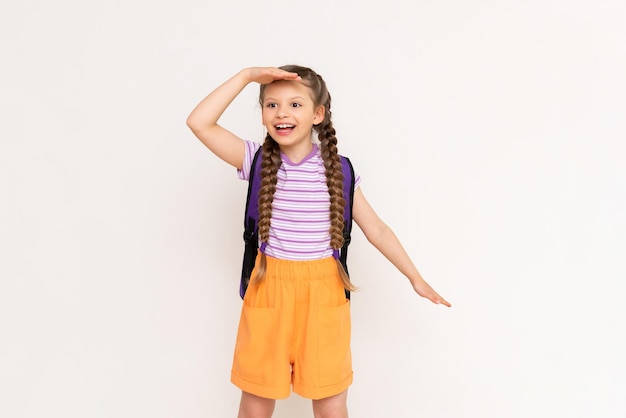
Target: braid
{"points": [[334, 181], [270, 162]]}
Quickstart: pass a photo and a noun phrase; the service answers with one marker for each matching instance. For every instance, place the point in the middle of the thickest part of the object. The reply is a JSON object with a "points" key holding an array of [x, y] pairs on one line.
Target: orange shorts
{"points": [[294, 330]]}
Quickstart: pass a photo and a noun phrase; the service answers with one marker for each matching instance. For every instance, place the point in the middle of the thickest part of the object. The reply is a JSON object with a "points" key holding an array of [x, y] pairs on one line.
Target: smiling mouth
{"points": [[284, 126]]}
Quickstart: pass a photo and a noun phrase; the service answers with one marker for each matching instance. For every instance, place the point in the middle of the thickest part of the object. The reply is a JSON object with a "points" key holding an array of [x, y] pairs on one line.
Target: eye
{"points": [[296, 105], [271, 105]]}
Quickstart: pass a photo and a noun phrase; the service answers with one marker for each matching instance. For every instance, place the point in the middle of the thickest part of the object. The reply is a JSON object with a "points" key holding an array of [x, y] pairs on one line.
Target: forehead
{"points": [[287, 89]]}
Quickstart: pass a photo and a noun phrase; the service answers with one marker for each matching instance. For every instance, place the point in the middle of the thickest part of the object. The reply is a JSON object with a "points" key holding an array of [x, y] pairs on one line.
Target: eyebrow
{"points": [[273, 98]]}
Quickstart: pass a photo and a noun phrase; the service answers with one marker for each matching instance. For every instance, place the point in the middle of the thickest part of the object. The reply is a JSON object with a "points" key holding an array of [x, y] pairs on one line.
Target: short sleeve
{"points": [[357, 177], [250, 149]]}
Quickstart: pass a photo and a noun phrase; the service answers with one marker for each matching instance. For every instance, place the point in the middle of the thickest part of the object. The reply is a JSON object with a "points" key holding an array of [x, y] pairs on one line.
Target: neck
{"points": [[296, 153]]}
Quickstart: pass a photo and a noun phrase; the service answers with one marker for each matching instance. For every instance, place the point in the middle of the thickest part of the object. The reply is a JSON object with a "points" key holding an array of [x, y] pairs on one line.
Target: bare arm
{"points": [[203, 119], [384, 239]]}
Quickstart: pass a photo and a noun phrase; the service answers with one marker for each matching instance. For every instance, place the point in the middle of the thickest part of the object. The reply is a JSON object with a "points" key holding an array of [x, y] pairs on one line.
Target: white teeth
{"points": [[282, 126]]}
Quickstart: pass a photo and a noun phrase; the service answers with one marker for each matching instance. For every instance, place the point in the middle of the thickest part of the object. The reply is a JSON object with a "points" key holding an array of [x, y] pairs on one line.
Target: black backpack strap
{"points": [[251, 217], [348, 192]]}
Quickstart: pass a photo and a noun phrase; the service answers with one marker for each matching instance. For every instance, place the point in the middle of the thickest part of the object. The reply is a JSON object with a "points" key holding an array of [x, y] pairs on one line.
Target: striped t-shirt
{"points": [[300, 211]]}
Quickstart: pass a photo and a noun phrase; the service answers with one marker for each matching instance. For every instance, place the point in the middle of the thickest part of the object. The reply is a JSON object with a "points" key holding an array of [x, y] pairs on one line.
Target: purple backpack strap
{"points": [[251, 217]]}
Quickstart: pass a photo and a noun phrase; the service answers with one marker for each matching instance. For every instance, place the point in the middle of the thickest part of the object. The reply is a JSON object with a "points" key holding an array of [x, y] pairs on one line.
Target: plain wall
{"points": [[489, 136]]}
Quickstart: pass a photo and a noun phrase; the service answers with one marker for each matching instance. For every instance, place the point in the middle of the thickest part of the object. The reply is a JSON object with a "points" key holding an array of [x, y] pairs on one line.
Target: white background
{"points": [[489, 135]]}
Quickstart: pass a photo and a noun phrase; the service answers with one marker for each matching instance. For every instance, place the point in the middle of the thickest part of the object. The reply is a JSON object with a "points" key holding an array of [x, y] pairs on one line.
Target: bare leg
{"points": [[252, 406], [331, 407]]}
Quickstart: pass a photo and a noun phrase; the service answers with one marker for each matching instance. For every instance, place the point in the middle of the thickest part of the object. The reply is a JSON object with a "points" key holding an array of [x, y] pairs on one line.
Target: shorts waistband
{"points": [[301, 269]]}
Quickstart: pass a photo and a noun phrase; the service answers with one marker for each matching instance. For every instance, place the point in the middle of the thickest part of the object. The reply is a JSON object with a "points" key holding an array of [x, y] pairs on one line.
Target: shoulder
{"points": [[251, 147], [250, 150], [349, 172]]}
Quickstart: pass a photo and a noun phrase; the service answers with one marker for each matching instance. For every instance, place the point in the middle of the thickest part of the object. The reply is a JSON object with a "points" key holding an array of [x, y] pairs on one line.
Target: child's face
{"points": [[289, 113]]}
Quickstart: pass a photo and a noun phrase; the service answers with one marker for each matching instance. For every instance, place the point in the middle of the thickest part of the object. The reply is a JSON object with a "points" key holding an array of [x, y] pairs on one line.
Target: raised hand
{"points": [[265, 75]]}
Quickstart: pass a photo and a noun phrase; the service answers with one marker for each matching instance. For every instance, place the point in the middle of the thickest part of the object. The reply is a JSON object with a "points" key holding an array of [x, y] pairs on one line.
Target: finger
{"points": [[438, 300], [443, 301], [290, 76], [277, 75]]}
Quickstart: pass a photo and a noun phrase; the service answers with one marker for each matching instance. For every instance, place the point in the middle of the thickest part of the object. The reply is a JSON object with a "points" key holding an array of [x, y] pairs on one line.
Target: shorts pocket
{"points": [[335, 358], [254, 354]]}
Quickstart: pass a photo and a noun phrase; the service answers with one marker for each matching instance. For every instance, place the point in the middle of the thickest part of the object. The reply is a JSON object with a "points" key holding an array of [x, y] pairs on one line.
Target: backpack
{"points": [[251, 217]]}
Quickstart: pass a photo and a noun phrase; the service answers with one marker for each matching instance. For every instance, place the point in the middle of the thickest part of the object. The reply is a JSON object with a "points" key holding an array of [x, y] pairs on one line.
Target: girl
{"points": [[295, 323]]}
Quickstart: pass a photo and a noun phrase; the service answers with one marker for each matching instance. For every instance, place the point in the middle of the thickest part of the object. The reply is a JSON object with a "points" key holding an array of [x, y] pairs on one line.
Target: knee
{"points": [[332, 407], [331, 413], [253, 406]]}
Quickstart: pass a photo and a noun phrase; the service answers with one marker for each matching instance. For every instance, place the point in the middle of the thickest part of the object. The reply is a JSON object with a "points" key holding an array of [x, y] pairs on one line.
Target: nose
{"points": [[283, 112]]}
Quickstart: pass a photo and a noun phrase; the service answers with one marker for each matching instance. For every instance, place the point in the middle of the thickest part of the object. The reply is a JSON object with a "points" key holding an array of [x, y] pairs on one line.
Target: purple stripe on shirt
{"points": [[300, 220]]}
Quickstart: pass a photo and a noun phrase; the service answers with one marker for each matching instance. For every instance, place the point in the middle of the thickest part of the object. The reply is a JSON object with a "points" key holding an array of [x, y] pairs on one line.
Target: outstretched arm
{"points": [[203, 119], [384, 239]]}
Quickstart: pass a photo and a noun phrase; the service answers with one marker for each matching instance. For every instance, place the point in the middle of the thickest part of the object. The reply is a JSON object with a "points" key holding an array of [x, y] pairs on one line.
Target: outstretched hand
{"points": [[424, 290], [265, 75]]}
